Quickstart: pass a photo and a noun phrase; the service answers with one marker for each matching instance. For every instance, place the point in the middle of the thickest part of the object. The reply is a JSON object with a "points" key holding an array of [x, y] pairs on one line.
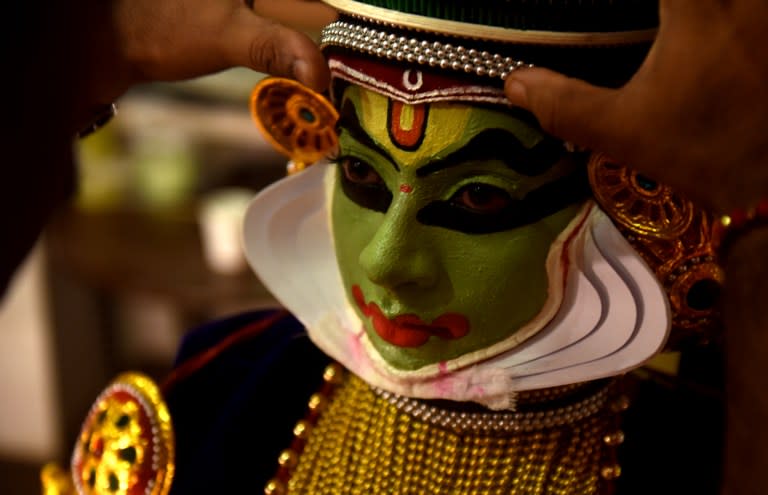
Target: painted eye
{"points": [[481, 198], [359, 172], [363, 184]]}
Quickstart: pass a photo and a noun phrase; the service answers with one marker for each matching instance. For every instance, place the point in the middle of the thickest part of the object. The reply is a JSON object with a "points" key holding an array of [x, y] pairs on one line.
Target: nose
{"points": [[400, 255]]}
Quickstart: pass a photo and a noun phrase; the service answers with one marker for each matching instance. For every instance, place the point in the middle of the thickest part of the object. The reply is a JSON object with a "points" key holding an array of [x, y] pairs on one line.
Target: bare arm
{"points": [[68, 59], [746, 295], [695, 116], [133, 41]]}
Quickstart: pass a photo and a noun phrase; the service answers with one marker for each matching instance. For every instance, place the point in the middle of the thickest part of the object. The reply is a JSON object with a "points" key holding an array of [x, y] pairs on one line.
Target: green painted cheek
{"points": [[503, 284], [393, 258], [352, 225], [353, 228], [385, 253], [497, 281]]}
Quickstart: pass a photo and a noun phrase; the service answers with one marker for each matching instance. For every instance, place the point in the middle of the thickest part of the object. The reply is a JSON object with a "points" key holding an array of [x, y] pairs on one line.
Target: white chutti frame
{"points": [[614, 317]]}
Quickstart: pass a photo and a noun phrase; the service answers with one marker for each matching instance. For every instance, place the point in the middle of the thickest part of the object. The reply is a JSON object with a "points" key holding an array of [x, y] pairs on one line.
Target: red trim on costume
{"points": [[194, 363]]}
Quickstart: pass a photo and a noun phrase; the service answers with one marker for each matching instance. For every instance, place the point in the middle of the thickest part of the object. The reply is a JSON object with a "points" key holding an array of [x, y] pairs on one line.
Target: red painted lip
{"points": [[409, 330]]}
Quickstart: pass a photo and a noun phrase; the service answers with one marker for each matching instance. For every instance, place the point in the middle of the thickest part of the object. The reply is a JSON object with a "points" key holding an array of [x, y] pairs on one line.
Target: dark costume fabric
{"points": [[233, 416], [242, 383]]}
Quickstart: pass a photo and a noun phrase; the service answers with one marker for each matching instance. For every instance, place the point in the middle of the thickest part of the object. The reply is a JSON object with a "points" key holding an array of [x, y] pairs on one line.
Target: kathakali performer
{"points": [[470, 305]]}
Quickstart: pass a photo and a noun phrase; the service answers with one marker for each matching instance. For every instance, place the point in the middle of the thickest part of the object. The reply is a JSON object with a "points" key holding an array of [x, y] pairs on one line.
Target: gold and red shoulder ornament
{"points": [[125, 446]]}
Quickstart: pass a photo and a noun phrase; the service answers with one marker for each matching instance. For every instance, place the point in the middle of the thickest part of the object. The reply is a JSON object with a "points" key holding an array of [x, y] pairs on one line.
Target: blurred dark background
{"points": [[124, 270]]}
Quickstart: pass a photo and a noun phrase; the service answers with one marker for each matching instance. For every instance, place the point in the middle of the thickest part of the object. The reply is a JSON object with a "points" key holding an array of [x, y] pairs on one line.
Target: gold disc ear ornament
{"points": [[296, 121], [126, 444], [674, 237]]}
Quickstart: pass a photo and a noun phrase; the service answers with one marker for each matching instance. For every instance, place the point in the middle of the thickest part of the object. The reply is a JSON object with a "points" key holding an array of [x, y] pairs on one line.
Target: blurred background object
{"points": [[123, 271], [220, 217]]}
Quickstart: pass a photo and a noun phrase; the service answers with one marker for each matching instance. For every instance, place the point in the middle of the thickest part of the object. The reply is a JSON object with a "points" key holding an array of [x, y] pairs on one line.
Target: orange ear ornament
{"points": [[296, 121]]}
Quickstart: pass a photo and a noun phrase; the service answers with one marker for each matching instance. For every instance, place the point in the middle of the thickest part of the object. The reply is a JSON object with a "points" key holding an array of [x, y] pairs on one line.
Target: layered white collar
{"points": [[610, 316]]}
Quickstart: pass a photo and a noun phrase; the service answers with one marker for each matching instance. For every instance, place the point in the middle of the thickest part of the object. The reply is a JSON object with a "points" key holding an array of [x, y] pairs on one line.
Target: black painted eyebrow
{"points": [[349, 122], [501, 144]]}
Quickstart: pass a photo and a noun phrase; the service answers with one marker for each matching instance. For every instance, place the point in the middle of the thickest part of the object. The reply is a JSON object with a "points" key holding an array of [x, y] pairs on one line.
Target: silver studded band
{"points": [[414, 50], [498, 422]]}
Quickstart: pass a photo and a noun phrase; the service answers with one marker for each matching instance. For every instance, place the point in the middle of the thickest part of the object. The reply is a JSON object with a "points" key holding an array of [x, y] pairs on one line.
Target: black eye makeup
{"points": [[477, 206], [480, 198], [480, 208], [363, 185]]}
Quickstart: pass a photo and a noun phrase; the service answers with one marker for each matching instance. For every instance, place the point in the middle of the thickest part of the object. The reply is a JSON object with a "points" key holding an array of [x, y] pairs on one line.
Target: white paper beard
{"points": [[611, 314]]}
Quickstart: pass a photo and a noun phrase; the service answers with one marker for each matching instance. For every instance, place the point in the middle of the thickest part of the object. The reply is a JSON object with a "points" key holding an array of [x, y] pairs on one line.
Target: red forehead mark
{"points": [[406, 188], [407, 129]]}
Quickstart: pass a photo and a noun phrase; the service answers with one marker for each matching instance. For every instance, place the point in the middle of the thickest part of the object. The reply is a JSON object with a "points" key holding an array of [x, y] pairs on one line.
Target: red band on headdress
{"points": [[411, 83]]}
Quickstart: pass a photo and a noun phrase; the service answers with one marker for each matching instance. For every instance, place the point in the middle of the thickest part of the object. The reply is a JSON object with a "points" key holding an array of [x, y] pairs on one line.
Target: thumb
{"points": [[567, 108], [267, 46]]}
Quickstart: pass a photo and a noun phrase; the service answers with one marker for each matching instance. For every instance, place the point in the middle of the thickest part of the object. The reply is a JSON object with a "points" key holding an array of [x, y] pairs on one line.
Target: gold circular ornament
{"points": [[126, 444], [295, 120], [637, 202], [693, 283], [673, 236]]}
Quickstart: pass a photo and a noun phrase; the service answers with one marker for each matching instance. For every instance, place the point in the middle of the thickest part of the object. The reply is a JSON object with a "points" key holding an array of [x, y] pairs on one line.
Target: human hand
{"points": [[694, 116], [304, 15], [165, 40]]}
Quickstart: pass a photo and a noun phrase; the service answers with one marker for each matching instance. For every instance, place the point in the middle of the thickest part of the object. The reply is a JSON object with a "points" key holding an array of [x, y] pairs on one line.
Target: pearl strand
{"points": [[414, 50]]}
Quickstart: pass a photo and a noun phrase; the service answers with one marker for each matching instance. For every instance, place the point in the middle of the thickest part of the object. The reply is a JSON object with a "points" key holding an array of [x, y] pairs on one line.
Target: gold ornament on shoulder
{"points": [[673, 236], [126, 444]]}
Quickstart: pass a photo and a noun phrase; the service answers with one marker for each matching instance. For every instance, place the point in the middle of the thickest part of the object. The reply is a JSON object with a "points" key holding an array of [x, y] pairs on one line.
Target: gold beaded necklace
{"points": [[358, 439]]}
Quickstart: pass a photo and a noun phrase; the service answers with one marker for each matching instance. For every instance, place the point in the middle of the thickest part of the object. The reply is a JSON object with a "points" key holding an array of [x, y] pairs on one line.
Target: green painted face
{"points": [[443, 216]]}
